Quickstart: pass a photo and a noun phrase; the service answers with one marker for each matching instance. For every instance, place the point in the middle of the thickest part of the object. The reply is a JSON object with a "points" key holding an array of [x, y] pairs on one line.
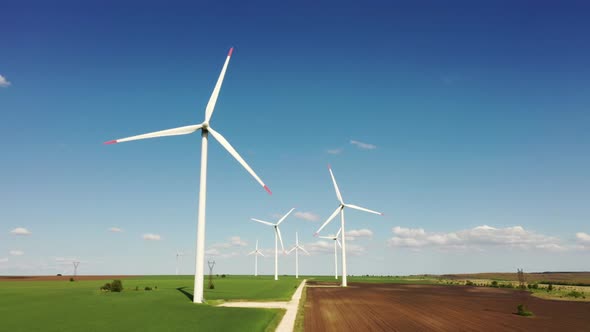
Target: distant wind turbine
{"points": [[178, 255], [256, 252], [205, 131], [340, 209], [296, 248], [277, 239], [336, 241]]}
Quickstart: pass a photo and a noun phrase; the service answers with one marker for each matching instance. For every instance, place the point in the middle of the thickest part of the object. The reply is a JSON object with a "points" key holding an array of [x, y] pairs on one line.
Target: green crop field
{"points": [[81, 306]]}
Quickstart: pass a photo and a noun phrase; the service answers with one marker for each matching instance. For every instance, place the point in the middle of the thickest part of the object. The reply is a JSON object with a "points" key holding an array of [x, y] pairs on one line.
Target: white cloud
{"points": [[475, 238], [583, 237], [16, 252], [4, 82], [3, 260], [217, 253], [364, 146], [20, 231], [309, 216], [354, 233], [325, 247], [151, 237], [115, 230], [335, 151], [236, 241]]}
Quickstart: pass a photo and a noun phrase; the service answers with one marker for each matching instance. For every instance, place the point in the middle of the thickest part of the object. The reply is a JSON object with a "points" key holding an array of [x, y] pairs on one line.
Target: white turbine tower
{"points": [[340, 209], [205, 131], [277, 238], [178, 255], [296, 248], [336, 241], [256, 252]]}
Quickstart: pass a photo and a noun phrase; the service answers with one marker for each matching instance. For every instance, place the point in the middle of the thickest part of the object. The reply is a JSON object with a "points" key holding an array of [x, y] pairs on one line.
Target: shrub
{"points": [[148, 288], [136, 288], [522, 310], [223, 275], [106, 287], [211, 286], [469, 283], [575, 294], [550, 288], [71, 279], [59, 274], [116, 286], [494, 283]]}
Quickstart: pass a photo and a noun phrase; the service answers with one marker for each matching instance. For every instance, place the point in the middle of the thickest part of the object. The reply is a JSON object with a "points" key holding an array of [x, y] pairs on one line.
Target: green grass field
{"points": [[81, 306]]}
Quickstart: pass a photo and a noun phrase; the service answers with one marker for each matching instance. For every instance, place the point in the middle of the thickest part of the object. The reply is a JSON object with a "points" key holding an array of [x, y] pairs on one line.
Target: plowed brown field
{"points": [[397, 307]]}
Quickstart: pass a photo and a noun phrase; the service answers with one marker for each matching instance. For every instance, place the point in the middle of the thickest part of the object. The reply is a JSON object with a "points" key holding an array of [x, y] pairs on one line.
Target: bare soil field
{"points": [[59, 278], [402, 307]]}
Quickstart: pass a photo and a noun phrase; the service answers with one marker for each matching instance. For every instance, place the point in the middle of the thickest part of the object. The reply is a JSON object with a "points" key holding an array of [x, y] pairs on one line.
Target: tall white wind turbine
{"points": [[256, 252], [340, 209], [277, 239], [336, 241], [296, 248], [205, 131]]}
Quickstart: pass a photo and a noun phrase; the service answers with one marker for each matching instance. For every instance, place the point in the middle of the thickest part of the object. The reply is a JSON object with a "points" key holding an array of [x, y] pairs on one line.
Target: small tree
{"points": [[550, 288], [523, 311], [116, 286], [521, 279]]}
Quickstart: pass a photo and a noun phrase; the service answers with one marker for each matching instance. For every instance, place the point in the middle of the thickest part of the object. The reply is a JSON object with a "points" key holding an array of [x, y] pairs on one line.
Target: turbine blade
{"points": [[339, 244], [339, 231], [251, 252], [280, 237], [285, 216], [362, 209], [262, 221], [236, 155], [211, 104], [289, 252], [326, 237], [168, 132], [329, 219], [305, 251], [261, 254], [335, 185]]}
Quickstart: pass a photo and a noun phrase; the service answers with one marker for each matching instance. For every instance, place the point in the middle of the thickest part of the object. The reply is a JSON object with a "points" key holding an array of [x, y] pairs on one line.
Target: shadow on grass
{"points": [[187, 294]]}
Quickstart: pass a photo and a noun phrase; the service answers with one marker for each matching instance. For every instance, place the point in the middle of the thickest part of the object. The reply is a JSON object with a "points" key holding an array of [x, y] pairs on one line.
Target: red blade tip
{"points": [[231, 50], [316, 234], [267, 190], [329, 166], [111, 142]]}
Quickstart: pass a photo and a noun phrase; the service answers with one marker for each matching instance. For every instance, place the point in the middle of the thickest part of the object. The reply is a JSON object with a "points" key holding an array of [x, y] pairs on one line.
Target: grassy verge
{"points": [[274, 323], [300, 319]]}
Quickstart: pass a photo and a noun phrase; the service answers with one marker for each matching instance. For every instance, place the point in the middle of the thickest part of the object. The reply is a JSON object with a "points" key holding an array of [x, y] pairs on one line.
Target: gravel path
{"points": [[288, 321]]}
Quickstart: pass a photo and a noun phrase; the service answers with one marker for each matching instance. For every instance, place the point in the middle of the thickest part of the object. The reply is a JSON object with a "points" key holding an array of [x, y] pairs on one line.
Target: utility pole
{"points": [[211, 265]]}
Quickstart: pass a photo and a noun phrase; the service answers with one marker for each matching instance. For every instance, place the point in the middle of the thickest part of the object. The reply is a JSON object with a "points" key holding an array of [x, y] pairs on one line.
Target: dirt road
{"points": [[397, 307]]}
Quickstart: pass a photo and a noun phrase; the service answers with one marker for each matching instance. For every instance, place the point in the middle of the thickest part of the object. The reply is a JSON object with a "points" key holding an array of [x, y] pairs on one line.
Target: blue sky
{"points": [[473, 117]]}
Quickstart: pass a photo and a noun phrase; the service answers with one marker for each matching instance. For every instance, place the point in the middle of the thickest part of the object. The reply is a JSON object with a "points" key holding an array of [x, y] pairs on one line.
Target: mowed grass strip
{"points": [[81, 306]]}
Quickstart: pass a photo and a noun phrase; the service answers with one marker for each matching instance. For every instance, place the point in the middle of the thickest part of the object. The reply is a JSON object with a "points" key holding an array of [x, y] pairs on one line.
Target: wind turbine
{"points": [[76, 263], [205, 131], [296, 248], [256, 252], [277, 238], [178, 255], [340, 209], [335, 239]]}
